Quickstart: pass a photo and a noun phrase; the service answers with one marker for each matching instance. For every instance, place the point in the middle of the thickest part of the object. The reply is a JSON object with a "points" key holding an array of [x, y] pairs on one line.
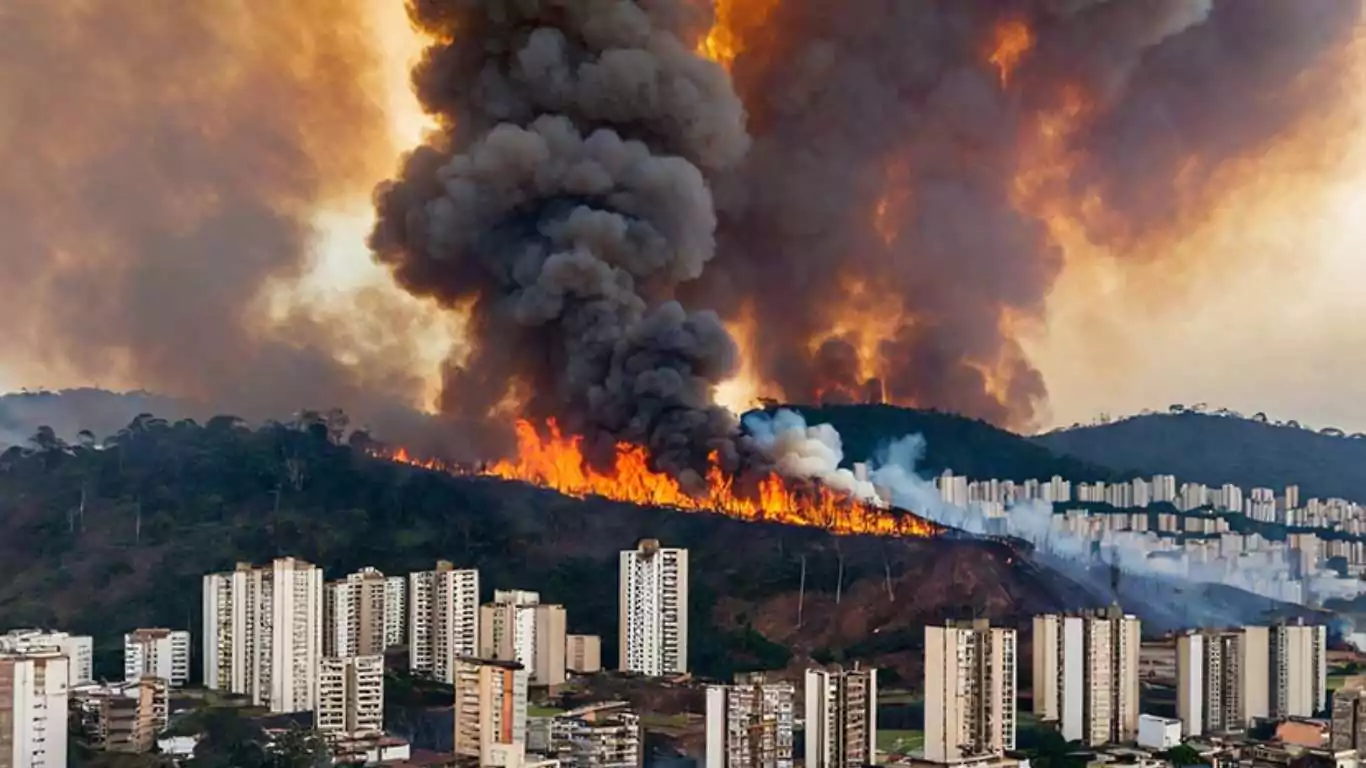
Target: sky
{"points": [[1277, 329]]}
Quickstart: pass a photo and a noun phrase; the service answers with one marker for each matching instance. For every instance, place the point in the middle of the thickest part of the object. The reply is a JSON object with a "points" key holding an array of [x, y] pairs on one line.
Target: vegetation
{"points": [[967, 446], [1182, 755], [898, 742], [142, 515], [1213, 450]]}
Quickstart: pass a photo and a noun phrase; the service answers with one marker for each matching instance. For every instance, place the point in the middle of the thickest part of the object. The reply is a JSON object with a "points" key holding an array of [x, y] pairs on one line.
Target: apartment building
{"points": [[443, 619], [1222, 680], [654, 610], [970, 677], [1299, 669], [1349, 718], [841, 717], [601, 735], [34, 689], [350, 697], [598, 739], [517, 626], [490, 711], [363, 614], [583, 654], [750, 723], [78, 649], [1227, 679], [162, 653], [1086, 675], [263, 633], [125, 717]]}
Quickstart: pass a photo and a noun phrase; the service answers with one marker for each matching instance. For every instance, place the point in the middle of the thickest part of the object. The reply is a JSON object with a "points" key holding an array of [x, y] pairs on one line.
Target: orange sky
{"points": [[1281, 334]]}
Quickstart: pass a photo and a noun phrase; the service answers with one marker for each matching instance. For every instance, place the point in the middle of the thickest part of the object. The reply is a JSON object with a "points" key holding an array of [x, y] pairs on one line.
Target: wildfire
{"points": [[555, 461], [734, 20], [1013, 41]]}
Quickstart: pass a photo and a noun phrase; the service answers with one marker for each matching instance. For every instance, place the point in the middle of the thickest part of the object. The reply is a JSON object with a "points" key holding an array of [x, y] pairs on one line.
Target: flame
{"points": [[743, 391], [866, 318], [736, 21], [557, 462], [1013, 41]]}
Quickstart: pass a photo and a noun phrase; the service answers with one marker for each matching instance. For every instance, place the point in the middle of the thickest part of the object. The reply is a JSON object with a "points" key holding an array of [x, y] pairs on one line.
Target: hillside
{"points": [[102, 541], [1221, 449], [967, 446]]}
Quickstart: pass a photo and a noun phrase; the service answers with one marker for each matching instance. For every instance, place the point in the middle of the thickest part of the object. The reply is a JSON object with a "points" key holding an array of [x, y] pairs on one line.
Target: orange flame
{"points": [[556, 461], [1014, 39], [735, 20]]}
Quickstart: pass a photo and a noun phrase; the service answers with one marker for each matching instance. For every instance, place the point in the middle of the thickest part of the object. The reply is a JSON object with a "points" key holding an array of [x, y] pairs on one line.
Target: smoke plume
{"points": [[916, 166], [163, 160], [877, 193], [568, 200]]}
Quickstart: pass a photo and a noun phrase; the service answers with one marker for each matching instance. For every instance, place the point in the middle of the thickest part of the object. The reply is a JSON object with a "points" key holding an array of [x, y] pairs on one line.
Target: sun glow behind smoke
{"points": [[344, 277], [1243, 274]]}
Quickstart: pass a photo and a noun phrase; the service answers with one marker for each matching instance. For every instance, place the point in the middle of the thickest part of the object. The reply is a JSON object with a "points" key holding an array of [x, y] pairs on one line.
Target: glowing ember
{"points": [[557, 462], [1014, 39]]}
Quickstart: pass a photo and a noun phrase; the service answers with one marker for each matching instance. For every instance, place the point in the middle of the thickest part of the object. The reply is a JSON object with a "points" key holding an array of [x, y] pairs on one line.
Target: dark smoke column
{"points": [[565, 200]]}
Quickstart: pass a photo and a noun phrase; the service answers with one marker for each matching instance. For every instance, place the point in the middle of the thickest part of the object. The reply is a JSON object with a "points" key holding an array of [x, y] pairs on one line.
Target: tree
{"points": [[299, 748], [228, 740], [1182, 755], [45, 440]]}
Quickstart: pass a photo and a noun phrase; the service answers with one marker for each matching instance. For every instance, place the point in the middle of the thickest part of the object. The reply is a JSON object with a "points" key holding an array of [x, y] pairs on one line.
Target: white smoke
{"points": [[815, 452]]}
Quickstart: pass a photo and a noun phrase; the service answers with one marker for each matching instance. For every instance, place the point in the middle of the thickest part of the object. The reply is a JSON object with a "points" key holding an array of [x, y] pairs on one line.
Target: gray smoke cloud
{"points": [[566, 200], [868, 105]]}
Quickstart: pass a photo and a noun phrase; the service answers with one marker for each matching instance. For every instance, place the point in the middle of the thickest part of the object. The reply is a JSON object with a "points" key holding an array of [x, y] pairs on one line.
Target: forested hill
{"points": [[106, 539], [967, 446], [1215, 449]]}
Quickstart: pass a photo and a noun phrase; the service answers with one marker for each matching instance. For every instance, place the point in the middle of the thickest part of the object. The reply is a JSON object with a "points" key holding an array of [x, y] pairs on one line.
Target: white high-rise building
{"points": [[654, 610], [78, 649], [841, 717], [490, 711], [443, 619], [362, 614], [517, 626], [1222, 680], [34, 689], [263, 633], [350, 697], [750, 723], [970, 673], [1226, 680], [163, 653], [395, 611], [1086, 675], [1298, 676]]}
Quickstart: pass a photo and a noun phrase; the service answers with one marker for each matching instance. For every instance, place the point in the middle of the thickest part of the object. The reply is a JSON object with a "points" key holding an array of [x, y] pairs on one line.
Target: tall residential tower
{"points": [[970, 673], [654, 610], [263, 633], [443, 619], [1086, 675]]}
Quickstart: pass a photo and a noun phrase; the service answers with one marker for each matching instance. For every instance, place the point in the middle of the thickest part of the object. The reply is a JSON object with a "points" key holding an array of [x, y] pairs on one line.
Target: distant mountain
{"points": [[967, 446], [1222, 449]]}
